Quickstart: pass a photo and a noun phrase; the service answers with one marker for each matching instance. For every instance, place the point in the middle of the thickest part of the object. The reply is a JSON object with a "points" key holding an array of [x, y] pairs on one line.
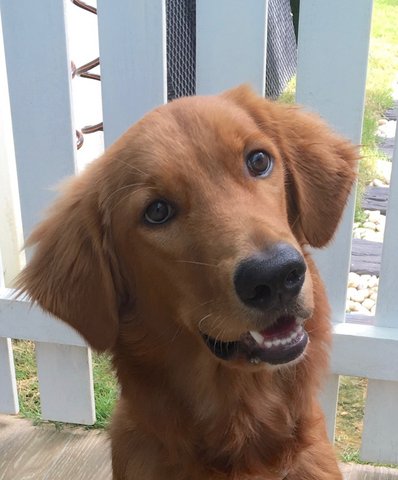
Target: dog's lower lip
{"points": [[281, 343]]}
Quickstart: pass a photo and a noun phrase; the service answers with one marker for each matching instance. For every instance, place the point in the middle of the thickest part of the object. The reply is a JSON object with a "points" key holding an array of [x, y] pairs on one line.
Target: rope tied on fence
{"points": [[84, 71]]}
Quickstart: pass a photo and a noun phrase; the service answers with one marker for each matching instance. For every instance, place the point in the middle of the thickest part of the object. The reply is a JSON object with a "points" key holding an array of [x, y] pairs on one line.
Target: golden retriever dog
{"points": [[183, 252]]}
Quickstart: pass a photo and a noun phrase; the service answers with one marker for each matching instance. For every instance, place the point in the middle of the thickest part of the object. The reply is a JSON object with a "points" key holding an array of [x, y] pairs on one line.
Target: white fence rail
{"points": [[231, 40]]}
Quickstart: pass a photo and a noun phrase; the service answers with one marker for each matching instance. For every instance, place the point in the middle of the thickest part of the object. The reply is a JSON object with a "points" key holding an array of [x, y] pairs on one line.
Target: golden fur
{"points": [[146, 292]]}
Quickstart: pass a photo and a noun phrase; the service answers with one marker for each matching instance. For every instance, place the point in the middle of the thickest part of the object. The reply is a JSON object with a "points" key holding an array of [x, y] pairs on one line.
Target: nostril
{"points": [[294, 278], [262, 294]]}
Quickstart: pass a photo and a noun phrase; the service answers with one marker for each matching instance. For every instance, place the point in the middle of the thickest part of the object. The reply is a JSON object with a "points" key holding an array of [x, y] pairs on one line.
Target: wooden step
{"points": [[376, 198], [366, 257], [47, 453]]}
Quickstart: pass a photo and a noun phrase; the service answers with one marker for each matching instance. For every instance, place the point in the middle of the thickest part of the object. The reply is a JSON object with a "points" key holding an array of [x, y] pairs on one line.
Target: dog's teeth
{"points": [[257, 337], [268, 344], [284, 341], [255, 360]]}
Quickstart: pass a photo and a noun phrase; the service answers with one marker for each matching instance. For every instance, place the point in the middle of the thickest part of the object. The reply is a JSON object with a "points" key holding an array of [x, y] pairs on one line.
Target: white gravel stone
{"points": [[378, 183], [353, 306], [350, 292], [353, 279], [369, 225], [360, 295], [373, 236], [363, 283], [363, 310], [373, 296], [374, 216], [383, 168], [373, 281], [360, 232], [387, 130], [368, 303]]}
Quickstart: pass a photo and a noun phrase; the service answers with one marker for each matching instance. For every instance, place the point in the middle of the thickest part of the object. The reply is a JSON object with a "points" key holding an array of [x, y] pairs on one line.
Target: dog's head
{"points": [[196, 219]]}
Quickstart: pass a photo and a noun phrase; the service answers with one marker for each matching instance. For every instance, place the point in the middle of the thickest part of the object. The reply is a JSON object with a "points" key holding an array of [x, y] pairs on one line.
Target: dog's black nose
{"points": [[270, 279]]}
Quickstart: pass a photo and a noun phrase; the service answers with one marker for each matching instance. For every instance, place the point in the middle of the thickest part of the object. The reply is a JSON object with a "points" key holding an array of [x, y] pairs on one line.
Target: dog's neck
{"points": [[234, 417]]}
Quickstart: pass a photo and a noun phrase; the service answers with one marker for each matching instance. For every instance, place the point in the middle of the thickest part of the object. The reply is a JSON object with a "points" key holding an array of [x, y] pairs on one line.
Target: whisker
{"points": [[202, 320], [197, 263], [201, 305], [295, 221], [178, 331], [132, 167]]}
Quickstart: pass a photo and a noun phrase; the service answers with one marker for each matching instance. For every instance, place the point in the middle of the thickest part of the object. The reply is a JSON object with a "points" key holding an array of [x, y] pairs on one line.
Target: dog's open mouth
{"points": [[284, 341]]}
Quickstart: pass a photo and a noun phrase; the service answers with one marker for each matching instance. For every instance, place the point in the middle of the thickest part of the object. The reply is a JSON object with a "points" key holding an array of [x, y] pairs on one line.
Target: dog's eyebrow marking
{"points": [[146, 187], [141, 184]]}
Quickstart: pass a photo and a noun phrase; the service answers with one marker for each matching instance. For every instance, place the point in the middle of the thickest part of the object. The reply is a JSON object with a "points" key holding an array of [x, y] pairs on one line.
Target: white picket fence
{"points": [[231, 38]]}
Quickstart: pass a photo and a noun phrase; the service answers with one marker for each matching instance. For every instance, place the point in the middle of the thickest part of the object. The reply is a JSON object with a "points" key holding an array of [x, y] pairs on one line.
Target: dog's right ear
{"points": [[320, 165], [70, 274]]}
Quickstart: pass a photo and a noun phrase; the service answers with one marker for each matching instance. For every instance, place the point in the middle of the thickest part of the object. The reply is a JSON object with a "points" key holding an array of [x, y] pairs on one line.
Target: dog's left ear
{"points": [[70, 273], [320, 165]]}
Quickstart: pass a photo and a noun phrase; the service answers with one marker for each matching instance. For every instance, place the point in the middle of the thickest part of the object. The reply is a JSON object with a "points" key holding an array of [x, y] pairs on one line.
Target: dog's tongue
{"points": [[281, 326]]}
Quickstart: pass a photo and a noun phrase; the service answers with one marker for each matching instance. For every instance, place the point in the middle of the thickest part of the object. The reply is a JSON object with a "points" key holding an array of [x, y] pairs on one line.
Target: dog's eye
{"points": [[159, 212], [259, 163]]}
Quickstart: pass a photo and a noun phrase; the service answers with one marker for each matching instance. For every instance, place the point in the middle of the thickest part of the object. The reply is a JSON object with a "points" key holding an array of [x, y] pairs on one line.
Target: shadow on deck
{"points": [[45, 453]]}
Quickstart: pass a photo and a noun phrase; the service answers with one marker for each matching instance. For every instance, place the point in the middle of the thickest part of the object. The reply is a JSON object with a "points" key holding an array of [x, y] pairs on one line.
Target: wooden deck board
{"points": [[366, 257], [376, 198], [45, 453], [367, 472]]}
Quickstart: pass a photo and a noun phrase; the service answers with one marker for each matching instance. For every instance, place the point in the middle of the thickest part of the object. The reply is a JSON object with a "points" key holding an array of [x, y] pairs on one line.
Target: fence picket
{"points": [[324, 34], [8, 391], [11, 236], [66, 394], [325, 31], [230, 44], [39, 77], [132, 40], [328, 399], [379, 438], [39, 84]]}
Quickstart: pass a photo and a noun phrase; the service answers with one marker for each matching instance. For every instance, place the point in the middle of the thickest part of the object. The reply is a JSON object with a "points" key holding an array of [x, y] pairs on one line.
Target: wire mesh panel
{"points": [[281, 48], [181, 48]]}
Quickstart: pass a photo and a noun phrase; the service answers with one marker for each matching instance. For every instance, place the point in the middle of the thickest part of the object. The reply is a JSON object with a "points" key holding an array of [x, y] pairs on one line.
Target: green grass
{"points": [[105, 389], [349, 421]]}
